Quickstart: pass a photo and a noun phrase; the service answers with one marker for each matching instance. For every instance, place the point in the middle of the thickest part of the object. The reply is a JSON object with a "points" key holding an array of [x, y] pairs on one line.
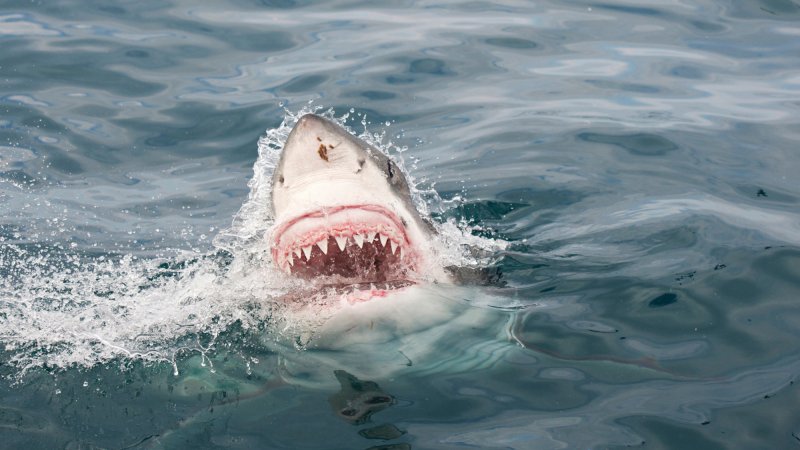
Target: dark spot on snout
{"points": [[319, 138], [323, 152]]}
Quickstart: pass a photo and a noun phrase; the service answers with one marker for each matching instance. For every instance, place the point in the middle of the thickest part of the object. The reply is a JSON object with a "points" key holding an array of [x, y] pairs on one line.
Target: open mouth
{"points": [[348, 244]]}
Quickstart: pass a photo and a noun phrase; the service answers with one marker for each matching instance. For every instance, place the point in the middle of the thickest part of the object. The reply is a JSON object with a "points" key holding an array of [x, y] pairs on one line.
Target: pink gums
{"points": [[354, 243]]}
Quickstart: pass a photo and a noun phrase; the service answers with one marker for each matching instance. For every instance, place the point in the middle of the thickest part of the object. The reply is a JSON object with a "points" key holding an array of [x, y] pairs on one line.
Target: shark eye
{"points": [[280, 179], [389, 169]]}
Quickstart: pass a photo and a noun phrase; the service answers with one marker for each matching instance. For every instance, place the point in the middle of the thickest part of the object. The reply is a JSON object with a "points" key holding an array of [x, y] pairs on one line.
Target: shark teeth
{"points": [[388, 241], [341, 241], [323, 245]]}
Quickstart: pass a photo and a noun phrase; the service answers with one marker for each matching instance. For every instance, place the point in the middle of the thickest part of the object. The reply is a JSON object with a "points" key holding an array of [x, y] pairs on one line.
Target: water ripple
{"points": [[639, 158]]}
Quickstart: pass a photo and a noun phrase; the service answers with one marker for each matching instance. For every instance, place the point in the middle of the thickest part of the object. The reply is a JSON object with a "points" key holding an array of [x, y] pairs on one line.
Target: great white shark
{"points": [[345, 220], [344, 213], [380, 302]]}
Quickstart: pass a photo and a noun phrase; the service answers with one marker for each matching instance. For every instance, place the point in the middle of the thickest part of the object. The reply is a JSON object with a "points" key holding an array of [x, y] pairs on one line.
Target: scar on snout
{"points": [[323, 152]]}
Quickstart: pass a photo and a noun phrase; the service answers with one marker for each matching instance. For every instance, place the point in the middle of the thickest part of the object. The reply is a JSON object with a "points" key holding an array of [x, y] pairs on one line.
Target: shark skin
{"points": [[344, 213]]}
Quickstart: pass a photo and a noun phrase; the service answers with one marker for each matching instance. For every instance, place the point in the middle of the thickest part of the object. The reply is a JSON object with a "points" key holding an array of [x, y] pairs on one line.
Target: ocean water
{"points": [[630, 167]]}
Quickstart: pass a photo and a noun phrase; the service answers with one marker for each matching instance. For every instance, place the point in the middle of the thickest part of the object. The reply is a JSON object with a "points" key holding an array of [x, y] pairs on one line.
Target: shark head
{"points": [[343, 211]]}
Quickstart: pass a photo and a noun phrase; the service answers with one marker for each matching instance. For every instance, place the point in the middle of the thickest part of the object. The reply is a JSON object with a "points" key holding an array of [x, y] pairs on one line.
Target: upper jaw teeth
{"points": [[305, 252], [341, 241]]}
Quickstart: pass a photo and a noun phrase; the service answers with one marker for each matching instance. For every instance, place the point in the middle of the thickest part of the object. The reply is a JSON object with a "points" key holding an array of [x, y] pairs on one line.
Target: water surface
{"points": [[639, 160]]}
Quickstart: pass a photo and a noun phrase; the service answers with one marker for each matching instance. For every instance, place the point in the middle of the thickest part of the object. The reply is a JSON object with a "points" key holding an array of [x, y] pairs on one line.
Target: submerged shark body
{"points": [[343, 212]]}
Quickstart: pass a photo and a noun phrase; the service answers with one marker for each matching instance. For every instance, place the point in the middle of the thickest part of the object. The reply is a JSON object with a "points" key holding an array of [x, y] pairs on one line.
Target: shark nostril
{"points": [[280, 179]]}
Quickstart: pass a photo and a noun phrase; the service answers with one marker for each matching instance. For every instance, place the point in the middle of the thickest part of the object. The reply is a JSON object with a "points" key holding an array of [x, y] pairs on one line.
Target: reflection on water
{"points": [[640, 160]]}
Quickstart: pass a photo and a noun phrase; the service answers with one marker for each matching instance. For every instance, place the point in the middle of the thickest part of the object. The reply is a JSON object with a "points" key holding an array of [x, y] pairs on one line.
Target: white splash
{"points": [[61, 309]]}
